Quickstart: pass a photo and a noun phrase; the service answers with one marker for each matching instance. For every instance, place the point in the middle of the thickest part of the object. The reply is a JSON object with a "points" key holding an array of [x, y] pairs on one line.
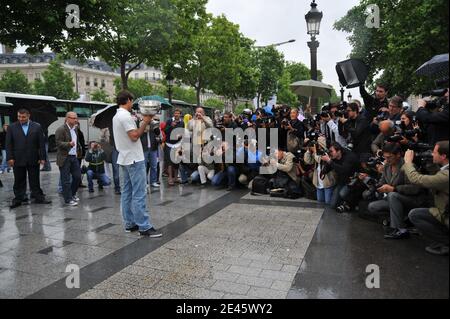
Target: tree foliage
{"points": [[100, 96], [56, 82], [270, 64], [411, 33], [15, 82]]}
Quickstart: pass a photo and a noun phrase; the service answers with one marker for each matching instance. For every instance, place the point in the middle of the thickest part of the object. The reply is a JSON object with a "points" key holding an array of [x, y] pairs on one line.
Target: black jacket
{"points": [[2, 140], [359, 131], [154, 140], [372, 104], [25, 150], [435, 123], [346, 167]]}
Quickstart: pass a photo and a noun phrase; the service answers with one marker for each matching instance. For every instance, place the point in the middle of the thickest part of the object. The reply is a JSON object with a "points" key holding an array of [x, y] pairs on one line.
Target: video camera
{"points": [[438, 99]]}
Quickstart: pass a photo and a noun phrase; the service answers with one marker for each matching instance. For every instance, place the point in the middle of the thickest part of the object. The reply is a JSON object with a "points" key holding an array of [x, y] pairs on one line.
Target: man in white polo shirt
{"points": [[132, 162]]}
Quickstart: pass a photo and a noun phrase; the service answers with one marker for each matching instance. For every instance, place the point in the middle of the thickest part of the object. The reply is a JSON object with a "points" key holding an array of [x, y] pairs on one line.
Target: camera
{"points": [[371, 193], [383, 116]]}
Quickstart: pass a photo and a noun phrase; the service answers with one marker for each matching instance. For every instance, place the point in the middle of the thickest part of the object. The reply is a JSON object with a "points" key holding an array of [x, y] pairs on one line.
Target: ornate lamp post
{"points": [[313, 19]]}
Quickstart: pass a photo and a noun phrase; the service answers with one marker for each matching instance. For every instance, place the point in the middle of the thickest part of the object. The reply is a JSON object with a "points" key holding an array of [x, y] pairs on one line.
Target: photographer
{"points": [[393, 114], [435, 118], [345, 164], [375, 104], [151, 139], [95, 156], [411, 131], [295, 131], [387, 130], [432, 222], [226, 122], [324, 183], [330, 120], [172, 124], [355, 129], [399, 195]]}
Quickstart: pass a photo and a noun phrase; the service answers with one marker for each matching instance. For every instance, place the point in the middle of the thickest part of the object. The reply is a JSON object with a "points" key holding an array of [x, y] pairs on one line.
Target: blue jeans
{"points": [[4, 165], [195, 177], [70, 171], [134, 196], [151, 159], [115, 169], [102, 179], [325, 195], [184, 174], [228, 176], [339, 193]]}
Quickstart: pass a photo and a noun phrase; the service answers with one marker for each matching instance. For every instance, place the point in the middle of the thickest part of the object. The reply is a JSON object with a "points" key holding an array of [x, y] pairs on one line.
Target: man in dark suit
{"points": [[25, 151]]}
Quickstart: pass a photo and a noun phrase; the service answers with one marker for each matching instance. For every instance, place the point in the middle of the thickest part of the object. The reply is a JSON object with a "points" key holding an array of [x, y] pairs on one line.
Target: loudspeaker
{"points": [[352, 73]]}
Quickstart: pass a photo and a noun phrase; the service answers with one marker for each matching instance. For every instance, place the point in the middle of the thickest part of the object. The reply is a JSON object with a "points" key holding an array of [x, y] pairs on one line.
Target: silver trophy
{"points": [[149, 107]]}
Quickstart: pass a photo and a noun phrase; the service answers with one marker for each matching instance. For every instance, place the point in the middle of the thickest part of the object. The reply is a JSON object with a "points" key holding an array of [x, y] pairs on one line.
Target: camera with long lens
{"points": [[438, 99], [371, 193]]}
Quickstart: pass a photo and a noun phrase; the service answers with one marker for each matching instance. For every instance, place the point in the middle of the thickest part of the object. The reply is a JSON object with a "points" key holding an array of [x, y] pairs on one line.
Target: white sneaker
{"points": [[71, 203], [76, 199], [155, 185]]}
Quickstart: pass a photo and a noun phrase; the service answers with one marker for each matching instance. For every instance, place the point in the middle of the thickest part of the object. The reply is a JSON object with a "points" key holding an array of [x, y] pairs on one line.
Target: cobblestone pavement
{"points": [[243, 251]]}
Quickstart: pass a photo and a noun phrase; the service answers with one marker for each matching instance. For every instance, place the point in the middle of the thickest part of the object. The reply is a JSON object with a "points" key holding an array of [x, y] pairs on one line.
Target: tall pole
{"points": [[313, 45]]}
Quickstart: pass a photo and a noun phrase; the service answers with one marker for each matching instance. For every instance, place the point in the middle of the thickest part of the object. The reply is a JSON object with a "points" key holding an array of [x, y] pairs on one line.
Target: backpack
{"points": [[260, 185]]}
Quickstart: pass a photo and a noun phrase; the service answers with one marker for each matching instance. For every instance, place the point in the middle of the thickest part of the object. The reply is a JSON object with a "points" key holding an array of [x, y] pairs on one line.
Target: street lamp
{"points": [[170, 82], [275, 44], [342, 94], [349, 97], [313, 19]]}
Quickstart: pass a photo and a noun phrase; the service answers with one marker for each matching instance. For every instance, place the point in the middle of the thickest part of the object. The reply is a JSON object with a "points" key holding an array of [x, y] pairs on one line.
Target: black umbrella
{"points": [[437, 67], [103, 118]]}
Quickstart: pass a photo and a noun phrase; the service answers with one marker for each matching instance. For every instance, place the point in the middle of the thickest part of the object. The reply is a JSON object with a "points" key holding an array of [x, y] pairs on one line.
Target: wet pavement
{"points": [[216, 244]]}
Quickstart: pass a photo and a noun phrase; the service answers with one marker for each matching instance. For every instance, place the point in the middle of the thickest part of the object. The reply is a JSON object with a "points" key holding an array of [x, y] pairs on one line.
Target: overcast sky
{"points": [[275, 21]]}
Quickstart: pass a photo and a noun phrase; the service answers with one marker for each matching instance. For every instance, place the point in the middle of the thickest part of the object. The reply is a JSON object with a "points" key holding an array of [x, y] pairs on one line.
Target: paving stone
{"points": [[254, 281], [281, 285], [277, 275], [266, 293], [290, 268], [230, 287], [245, 270], [224, 275]]}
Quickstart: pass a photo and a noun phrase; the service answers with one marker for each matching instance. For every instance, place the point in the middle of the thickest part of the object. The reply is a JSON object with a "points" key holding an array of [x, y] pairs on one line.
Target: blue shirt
{"points": [[25, 127]]}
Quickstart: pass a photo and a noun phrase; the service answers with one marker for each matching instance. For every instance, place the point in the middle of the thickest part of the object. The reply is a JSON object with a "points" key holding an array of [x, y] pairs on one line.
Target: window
{"points": [[95, 82], [88, 81], [154, 76], [136, 75], [83, 111], [159, 76], [62, 109], [37, 76], [146, 76], [103, 83]]}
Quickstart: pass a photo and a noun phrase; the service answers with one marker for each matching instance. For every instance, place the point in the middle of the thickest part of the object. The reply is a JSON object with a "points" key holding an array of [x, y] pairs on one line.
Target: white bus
{"points": [[84, 111]]}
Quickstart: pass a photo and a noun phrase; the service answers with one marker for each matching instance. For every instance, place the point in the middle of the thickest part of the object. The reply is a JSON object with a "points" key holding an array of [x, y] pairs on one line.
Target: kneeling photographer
{"points": [[324, 183], [344, 163], [432, 222], [397, 195]]}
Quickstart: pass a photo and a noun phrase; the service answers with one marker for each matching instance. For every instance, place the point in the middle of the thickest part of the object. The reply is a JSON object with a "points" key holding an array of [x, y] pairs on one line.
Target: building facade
{"points": [[87, 77]]}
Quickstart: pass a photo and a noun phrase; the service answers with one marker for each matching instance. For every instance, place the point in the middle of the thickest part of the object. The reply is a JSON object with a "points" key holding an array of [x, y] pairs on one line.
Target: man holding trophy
{"points": [[131, 159]]}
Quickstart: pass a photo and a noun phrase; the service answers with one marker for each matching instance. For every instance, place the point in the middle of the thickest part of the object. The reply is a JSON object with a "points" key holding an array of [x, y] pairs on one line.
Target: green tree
{"points": [[15, 82], [411, 33], [187, 95], [41, 23], [270, 64], [215, 103], [136, 32], [57, 82], [138, 87], [100, 96]]}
